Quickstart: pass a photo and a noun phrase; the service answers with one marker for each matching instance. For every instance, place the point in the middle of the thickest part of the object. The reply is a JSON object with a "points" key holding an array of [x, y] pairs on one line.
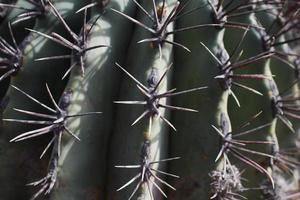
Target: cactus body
{"points": [[127, 99]]}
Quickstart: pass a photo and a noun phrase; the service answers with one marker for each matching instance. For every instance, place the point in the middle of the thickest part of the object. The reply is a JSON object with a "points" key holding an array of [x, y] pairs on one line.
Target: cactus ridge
{"points": [[221, 12], [166, 47], [152, 97], [79, 46], [40, 8], [56, 123], [237, 146], [147, 172], [226, 76]]}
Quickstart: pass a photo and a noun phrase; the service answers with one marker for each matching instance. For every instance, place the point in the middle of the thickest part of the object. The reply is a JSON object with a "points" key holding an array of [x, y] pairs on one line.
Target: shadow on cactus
{"points": [[12, 62], [286, 105], [55, 123]]}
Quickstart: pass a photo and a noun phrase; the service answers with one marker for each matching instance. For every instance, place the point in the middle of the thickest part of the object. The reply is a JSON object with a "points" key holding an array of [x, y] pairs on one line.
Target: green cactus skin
{"points": [[190, 70], [283, 81], [252, 103], [19, 27], [25, 156], [95, 91], [126, 142], [101, 163], [4, 11]]}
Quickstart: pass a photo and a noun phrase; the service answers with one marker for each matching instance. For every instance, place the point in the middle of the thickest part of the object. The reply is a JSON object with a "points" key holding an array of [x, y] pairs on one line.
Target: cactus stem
{"points": [[80, 41], [234, 146], [147, 173], [14, 6], [285, 106], [284, 27], [226, 75], [47, 183], [57, 123], [285, 161], [14, 59], [153, 97], [226, 182], [221, 14], [40, 9], [160, 23]]}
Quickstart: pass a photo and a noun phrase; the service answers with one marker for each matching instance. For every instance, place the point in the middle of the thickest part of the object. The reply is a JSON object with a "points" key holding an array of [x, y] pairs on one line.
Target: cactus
{"points": [[138, 99]]}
